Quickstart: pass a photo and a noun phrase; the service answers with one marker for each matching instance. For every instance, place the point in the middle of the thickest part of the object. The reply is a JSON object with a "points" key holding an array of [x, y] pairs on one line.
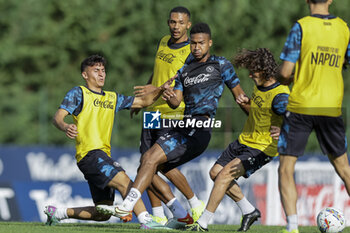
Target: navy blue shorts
{"points": [[252, 159], [183, 144], [296, 128], [150, 136], [99, 169]]}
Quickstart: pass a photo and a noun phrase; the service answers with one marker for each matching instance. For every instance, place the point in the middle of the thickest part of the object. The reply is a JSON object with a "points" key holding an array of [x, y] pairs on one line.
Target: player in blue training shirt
{"points": [[256, 145], [200, 84], [175, 46]]}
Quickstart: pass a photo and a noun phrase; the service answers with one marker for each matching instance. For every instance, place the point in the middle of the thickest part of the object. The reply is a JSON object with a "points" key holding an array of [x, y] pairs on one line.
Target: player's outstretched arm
{"points": [[241, 98], [135, 111], [148, 94], [71, 130]]}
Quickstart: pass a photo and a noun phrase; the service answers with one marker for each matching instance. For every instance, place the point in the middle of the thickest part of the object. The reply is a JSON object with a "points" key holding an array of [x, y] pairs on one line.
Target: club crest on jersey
{"points": [[209, 69], [151, 120]]}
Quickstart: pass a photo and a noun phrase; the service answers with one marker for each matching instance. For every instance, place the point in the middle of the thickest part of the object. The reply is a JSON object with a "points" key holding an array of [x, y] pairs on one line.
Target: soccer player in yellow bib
{"points": [[317, 47], [93, 111], [171, 55], [256, 145]]}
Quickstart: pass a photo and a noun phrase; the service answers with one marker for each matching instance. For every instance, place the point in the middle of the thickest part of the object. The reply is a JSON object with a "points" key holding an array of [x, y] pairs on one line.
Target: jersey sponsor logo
{"points": [[326, 56], [258, 100], [190, 81], [167, 57], [103, 104], [151, 120]]}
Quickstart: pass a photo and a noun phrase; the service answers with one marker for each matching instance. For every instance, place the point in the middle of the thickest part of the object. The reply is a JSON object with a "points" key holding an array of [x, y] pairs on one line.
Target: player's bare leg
{"points": [[148, 167], [341, 165], [223, 181], [149, 163], [161, 189], [122, 183], [158, 214], [288, 191], [214, 171], [286, 183], [88, 213], [180, 182], [155, 201]]}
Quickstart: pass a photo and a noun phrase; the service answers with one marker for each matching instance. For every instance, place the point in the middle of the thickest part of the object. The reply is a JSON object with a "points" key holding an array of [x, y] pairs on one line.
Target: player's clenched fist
{"points": [[242, 99], [71, 131]]}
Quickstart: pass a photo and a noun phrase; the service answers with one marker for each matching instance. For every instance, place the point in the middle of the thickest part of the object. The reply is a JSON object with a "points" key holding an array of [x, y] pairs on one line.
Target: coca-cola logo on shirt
{"points": [[189, 81]]}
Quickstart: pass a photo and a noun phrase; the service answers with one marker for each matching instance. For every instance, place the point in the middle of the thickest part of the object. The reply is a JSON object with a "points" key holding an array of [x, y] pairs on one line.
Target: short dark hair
{"points": [[318, 1], [180, 9], [259, 60], [201, 28], [91, 61]]}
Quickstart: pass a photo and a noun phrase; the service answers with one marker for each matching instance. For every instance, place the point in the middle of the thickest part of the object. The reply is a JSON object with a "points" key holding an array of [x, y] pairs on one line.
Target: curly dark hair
{"points": [[259, 60], [92, 60]]}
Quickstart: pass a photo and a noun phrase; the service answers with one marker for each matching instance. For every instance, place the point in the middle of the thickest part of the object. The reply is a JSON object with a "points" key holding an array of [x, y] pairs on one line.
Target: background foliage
{"points": [[42, 43]]}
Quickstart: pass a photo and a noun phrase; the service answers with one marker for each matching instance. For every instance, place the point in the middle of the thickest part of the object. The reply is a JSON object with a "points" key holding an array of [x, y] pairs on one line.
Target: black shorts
{"points": [[150, 136], [252, 159], [99, 169], [182, 145], [296, 128]]}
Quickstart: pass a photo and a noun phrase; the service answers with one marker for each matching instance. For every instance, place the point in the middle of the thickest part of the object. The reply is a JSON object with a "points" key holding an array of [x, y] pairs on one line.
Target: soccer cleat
{"points": [[160, 220], [179, 223], [197, 211], [286, 231], [116, 211], [153, 225], [50, 213], [249, 219], [195, 227]]}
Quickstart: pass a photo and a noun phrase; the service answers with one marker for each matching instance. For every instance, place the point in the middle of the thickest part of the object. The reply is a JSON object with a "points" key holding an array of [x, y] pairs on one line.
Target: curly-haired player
{"points": [[256, 145]]}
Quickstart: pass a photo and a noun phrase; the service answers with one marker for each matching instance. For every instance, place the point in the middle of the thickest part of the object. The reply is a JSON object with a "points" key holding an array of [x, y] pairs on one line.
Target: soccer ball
{"points": [[330, 220]]}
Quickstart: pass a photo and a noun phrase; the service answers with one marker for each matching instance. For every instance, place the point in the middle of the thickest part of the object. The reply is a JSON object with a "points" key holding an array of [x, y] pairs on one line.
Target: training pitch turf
{"points": [[36, 227]]}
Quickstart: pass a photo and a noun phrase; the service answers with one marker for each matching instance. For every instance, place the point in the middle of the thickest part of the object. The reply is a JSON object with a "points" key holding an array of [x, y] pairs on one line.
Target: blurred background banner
{"points": [[32, 177]]}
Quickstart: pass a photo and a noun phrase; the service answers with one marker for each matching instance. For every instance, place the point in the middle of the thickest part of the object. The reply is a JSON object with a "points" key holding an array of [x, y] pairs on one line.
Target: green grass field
{"points": [[35, 227]]}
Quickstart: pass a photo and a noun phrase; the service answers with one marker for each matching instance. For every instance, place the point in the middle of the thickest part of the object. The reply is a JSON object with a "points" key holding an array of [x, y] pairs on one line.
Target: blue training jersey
{"points": [[73, 101], [202, 84]]}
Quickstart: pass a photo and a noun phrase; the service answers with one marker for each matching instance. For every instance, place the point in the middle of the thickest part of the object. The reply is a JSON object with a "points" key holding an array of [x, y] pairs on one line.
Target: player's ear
{"points": [[210, 43], [84, 74], [189, 24]]}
